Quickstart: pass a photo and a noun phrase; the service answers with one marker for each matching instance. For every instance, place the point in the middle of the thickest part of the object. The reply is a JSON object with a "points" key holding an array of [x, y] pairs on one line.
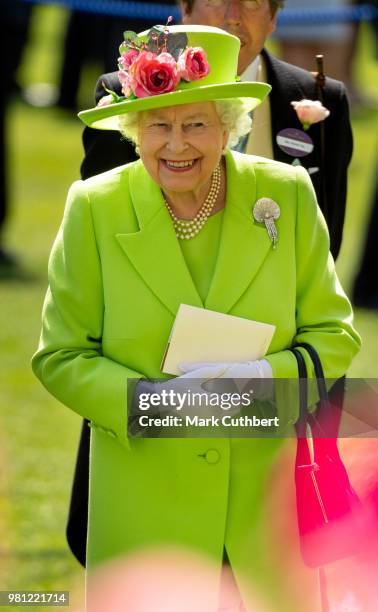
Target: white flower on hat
{"points": [[310, 111], [105, 101]]}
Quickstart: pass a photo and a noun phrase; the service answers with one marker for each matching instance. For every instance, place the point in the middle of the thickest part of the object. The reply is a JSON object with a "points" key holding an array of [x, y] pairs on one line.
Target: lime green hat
{"points": [[204, 61]]}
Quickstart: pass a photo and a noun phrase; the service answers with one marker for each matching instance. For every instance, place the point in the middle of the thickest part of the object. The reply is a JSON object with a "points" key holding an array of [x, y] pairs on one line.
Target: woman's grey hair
{"points": [[234, 115]]}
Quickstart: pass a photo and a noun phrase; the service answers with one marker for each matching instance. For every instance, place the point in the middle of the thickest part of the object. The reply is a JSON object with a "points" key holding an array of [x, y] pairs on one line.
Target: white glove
{"points": [[244, 371], [233, 369], [177, 395], [183, 386]]}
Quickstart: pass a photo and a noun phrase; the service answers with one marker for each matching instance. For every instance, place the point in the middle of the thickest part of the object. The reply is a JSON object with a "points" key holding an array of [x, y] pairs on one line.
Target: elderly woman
{"points": [[177, 226]]}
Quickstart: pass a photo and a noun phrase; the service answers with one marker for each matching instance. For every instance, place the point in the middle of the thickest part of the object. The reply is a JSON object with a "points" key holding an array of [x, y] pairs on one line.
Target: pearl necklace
{"points": [[188, 228]]}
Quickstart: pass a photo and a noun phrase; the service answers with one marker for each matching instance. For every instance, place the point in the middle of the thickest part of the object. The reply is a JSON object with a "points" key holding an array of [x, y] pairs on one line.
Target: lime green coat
{"points": [[116, 279]]}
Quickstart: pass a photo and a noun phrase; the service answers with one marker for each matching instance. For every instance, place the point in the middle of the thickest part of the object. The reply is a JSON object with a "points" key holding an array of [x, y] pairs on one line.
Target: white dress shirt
{"points": [[260, 139]]}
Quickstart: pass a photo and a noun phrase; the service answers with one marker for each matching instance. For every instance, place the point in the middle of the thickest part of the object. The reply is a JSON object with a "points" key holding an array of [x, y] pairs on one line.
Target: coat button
{"points": [[212, 456]]}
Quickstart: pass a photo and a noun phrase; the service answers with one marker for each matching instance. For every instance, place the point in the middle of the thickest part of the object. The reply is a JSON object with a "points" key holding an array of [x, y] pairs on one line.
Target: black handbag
{"points": [[329, 513]]}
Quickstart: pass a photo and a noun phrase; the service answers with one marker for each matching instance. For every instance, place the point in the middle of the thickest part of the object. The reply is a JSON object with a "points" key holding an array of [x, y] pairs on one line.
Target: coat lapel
{"points": [[244, 244], [154, 250]]}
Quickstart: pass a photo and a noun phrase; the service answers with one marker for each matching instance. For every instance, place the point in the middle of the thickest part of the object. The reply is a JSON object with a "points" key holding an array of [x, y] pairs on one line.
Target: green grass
{"points": [[38, 437]]}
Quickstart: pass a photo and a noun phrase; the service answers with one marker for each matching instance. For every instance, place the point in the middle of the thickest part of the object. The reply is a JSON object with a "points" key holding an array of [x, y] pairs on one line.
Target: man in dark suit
{"points": [[14, 27], [327, 163]]}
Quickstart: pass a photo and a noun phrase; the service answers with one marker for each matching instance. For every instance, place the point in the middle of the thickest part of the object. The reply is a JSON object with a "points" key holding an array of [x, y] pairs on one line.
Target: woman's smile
{"points": [[179, 166]]}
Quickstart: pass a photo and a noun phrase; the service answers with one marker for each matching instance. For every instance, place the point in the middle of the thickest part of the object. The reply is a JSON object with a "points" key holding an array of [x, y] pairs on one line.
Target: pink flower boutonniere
{"points": [[310, 111]]}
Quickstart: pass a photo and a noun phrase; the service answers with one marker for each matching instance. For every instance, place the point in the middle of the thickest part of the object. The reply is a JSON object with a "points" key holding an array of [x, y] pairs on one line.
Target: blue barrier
{"points": [[116, 8], [160, 12]]}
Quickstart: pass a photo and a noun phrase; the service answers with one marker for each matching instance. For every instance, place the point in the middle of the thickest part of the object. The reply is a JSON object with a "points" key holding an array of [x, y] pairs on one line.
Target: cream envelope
{"points": [[205, 335]]}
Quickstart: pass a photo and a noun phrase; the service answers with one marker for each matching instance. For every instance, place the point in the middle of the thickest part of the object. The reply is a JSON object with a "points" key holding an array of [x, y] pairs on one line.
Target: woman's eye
{"points": [[195, 125], [158, 125]]}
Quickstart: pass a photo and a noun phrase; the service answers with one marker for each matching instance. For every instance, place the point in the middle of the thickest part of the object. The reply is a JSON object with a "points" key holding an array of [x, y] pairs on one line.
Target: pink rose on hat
{"points": [[152, 74], [128, 58], [310, 111], [193, 64], [124, 79]]}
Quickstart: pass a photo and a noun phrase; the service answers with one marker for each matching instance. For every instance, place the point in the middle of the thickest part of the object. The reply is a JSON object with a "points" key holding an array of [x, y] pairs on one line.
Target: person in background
{"points": [[327, 162], [365, 290], [14, 28], [328, 154]]}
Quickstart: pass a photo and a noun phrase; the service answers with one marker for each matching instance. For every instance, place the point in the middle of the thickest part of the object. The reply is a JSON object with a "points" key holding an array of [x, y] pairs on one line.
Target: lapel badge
{"points": [[267, 211], [295, 143]]}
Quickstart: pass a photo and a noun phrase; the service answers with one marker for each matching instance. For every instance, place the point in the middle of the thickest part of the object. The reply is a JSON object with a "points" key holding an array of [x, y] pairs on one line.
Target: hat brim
{"points": [[106, 117]]}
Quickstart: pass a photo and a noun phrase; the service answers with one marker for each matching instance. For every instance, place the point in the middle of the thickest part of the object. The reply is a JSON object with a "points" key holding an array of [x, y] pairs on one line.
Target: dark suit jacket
{"points": [[106, 149]]}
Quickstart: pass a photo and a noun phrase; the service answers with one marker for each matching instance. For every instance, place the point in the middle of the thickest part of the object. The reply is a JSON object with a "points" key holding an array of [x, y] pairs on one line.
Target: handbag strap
{"points": [[319, 372], [323, 411], [303, 388], [314, 356]]}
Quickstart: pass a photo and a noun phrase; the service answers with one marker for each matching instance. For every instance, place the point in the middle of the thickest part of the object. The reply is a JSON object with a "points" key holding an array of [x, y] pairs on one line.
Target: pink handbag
{"points": [[329, 512]]}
